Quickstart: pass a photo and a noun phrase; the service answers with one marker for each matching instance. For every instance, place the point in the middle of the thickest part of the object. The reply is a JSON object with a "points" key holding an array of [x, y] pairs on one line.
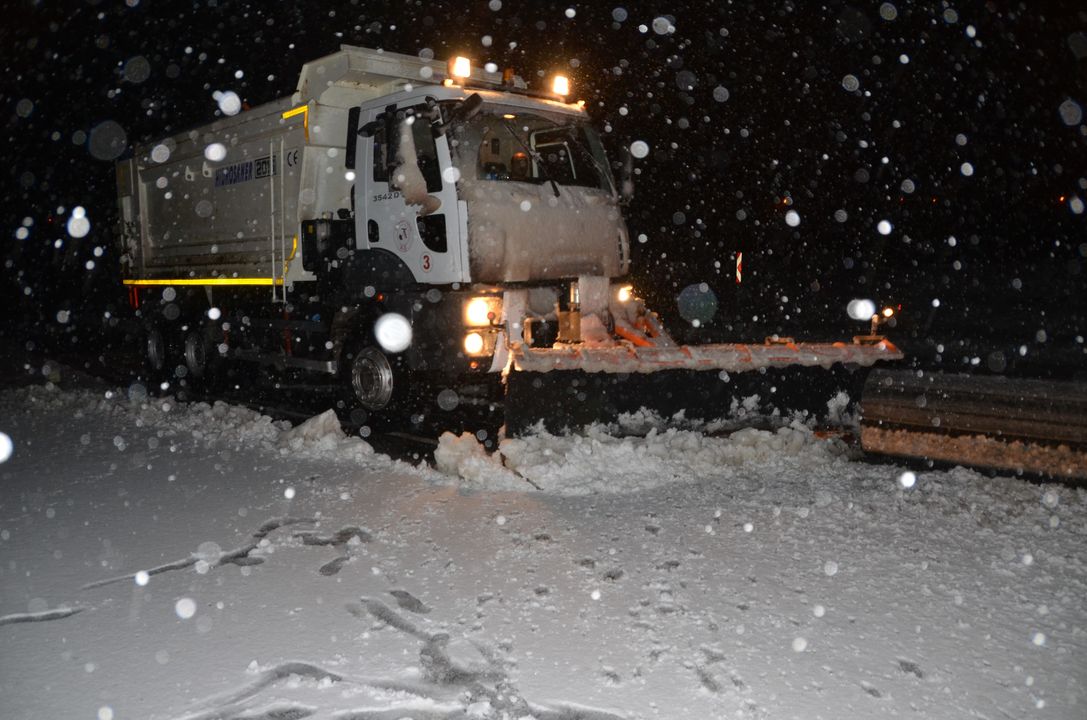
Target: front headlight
{"points": [[482, 311], [473, 344], [625, 293]]}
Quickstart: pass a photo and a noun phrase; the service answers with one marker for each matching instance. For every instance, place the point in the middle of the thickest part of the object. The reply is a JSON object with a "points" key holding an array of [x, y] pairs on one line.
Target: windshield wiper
{"points": [[536, 157], [571, 131]]}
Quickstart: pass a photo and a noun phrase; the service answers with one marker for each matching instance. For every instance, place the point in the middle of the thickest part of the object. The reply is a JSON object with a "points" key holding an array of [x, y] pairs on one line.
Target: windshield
{"points": [[510, 144]]}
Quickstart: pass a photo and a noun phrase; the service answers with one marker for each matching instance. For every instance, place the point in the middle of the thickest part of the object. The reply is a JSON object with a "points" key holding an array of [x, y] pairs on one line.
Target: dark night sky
{"points": [[937, 85]]}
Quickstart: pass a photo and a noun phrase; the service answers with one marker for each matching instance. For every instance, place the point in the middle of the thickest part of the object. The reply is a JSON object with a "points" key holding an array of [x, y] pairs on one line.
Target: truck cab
{"points": [[516, 191]]}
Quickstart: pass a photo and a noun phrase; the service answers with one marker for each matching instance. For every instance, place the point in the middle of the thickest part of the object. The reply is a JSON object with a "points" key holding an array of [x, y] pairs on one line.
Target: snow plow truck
{"points": [[421, 236]]}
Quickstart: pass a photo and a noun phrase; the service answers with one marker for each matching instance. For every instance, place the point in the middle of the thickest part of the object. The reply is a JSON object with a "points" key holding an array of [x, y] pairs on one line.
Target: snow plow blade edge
{"points": [[749, 385], [729, 357]]}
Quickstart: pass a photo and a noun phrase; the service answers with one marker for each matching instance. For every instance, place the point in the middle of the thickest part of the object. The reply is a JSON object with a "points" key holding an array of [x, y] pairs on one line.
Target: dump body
{"points": [[226, 200]]}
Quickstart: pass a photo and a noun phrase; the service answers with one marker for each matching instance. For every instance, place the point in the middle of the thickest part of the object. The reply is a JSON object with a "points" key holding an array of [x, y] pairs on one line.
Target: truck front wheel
{"points": [[373, 379]]}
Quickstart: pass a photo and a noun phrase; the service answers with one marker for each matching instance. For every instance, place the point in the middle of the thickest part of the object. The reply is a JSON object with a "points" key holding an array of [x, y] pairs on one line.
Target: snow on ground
{"points": [[164, 560]]}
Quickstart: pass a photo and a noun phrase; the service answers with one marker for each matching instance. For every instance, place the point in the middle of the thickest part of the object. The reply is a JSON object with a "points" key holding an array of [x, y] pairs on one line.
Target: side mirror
{"points": [[388, 122], [466, 109], [626, 178]]}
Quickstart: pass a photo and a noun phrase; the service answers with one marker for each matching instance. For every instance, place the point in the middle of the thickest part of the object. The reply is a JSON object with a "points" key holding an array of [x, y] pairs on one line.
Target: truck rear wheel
{"points": [[159, 363], [202, 360], [196, 355], [155, 352]]}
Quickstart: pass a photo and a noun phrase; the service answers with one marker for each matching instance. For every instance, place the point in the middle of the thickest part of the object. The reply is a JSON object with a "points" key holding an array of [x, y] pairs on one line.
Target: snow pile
{"points": [[322, 435], [464, 457], [217, 425], [599, 463]]}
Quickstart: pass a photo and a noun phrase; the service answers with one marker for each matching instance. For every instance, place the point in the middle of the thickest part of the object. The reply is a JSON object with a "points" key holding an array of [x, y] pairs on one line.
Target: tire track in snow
{"points": [[43, 616], [460, 678], [341, 540], [482, 680], [233, 703], [237, 556]]}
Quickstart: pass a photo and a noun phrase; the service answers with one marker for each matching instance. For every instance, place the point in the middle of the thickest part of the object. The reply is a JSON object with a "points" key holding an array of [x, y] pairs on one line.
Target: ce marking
{"points": [[292, 158]]}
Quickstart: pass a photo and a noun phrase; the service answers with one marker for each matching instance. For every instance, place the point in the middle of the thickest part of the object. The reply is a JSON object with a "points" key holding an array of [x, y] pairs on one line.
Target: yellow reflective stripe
{"points": [[140, 282], [302, 110]]}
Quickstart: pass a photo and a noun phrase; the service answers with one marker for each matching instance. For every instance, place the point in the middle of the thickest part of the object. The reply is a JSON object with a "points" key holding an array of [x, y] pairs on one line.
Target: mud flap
{"points": [[568, 400]]}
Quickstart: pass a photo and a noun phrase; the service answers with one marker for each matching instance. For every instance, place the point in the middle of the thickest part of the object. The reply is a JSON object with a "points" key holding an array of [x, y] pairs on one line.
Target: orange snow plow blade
{"points": [[567, 388], [730, 357]]}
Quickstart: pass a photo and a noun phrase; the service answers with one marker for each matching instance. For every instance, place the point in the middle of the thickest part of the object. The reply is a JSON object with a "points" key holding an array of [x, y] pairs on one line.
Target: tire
{"points": [[201, 358], [158, 363], [155, 354], [196, 355], [378, 390], [374, 381]]}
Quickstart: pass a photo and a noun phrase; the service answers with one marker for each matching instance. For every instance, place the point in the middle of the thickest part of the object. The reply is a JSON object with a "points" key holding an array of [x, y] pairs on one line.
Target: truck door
{"points": [[429, 245]]}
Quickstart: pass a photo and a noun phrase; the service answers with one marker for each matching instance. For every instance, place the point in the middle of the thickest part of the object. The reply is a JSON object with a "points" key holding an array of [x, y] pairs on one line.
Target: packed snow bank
{"points": [[594, 463], [215, 425], [597, 463], [322, 435]]}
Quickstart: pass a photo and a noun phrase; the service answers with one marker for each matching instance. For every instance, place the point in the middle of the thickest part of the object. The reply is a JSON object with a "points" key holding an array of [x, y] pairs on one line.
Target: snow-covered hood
{"points": [[520, 232]]}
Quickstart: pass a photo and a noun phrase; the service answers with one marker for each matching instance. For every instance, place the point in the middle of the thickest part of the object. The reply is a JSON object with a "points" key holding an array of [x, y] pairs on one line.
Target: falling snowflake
{"points": [[78, 224], [229, 102], [6, 447], [185, 608]]}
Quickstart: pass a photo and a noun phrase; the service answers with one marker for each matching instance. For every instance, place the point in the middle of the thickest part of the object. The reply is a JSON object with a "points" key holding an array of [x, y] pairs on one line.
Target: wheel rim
{"points": [[372, 378], [196, 356], [156, 350]]}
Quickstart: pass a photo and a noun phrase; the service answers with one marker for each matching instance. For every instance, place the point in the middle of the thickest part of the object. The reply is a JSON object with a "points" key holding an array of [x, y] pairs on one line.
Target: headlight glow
{"points": [[477, 311], [482, 311], [473, 343], [625, 294], [560, 85]]}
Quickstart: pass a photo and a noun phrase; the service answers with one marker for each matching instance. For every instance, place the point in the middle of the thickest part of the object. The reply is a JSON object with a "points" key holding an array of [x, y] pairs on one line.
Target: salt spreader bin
{"points": [[423, 235]]}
